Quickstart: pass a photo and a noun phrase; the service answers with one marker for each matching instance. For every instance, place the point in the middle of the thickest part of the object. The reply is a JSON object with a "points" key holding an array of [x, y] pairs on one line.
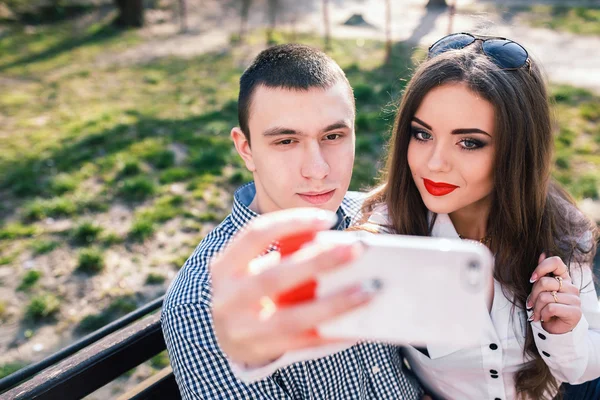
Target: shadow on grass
{"points": [[98, 36]]}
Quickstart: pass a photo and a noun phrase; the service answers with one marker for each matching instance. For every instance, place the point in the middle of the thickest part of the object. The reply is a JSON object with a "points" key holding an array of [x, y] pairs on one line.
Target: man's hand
{"points": [[250, 329]]}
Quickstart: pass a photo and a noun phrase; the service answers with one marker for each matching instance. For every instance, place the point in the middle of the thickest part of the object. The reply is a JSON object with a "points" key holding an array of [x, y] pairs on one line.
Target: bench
{"points": [[97, 359]]}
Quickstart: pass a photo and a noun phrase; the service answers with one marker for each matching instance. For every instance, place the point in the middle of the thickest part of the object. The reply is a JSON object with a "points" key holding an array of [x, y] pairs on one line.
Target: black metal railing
{"points": [[95, 360]]}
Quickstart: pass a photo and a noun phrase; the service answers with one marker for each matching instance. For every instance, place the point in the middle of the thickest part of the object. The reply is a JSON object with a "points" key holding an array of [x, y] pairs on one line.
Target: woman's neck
{"points": [[470, 222]]}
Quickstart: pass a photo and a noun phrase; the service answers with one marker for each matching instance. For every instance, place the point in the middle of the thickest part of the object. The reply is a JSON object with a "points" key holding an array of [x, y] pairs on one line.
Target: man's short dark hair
{"points": [[287, 66]]}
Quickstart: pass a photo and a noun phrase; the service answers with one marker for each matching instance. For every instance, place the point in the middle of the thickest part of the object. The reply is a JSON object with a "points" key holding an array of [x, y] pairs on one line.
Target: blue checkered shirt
{"points": [[363, 371]]}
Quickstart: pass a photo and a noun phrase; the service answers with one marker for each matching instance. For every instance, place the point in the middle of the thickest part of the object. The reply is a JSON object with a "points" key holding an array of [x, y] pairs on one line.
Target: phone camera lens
{"points": [[473, 265]]}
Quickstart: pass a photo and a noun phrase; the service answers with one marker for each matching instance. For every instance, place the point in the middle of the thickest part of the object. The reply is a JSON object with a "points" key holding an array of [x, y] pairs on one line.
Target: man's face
{"points": [[302, 146]]}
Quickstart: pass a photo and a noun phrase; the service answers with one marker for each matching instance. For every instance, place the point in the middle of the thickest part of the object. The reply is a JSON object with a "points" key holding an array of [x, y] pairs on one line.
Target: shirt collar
{"points": [[241, 213]]}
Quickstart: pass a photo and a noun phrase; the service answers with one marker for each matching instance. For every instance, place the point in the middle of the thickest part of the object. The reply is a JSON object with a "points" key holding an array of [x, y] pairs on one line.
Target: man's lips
{"points": [[438, 188], [317, 198]]}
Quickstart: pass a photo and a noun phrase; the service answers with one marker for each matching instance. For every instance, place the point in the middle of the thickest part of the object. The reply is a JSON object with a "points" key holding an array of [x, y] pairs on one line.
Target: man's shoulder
{"points": [[191, 284], [352, 204]]}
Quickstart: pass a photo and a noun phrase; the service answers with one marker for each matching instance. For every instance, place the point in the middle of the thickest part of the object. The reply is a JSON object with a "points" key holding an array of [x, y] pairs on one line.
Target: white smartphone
{"points": [[433, 290]]}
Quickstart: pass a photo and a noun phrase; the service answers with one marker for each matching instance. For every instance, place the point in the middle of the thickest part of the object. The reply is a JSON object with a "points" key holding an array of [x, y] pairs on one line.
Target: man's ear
{"points": [[242, 146]]}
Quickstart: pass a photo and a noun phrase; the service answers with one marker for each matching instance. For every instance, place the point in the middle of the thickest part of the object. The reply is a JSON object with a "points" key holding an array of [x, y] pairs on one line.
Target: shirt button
{"points": [[493, 346], [542, 336], [546, 354], [497, 398], [493, 372], [375, 369], [495, 376]]}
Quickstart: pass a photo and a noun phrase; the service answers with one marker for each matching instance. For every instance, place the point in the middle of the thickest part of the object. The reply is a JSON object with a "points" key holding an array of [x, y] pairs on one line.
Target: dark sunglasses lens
{"points": [[452, 42], [505, 53]]}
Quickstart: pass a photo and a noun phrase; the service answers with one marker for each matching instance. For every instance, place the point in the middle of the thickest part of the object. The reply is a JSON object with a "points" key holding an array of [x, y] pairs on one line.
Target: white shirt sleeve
{"points": [[250, 375], [574, 357]]}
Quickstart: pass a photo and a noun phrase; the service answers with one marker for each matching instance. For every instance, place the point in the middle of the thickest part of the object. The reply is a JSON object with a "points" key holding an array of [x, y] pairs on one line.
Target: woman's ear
{"points": [[242, 146]]}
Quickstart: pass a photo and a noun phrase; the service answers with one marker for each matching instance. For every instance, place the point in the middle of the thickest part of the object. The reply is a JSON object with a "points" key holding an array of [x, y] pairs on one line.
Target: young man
{"points": [[296, 135]]}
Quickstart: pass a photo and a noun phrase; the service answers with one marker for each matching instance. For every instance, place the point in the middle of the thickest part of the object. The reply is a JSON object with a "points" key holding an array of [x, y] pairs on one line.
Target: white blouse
{"points": [[488, 371]]}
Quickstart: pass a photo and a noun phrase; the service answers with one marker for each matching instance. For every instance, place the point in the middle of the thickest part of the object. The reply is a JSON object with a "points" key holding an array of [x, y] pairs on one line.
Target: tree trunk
{"points": [[183, 26], [273, 6], [245, 10], [437, 4], [131, 13], [388, 31], [326, 24]]}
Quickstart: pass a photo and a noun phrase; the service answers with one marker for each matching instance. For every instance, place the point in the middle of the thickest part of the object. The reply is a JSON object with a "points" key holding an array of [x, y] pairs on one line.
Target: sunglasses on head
{"points": [[505, 53]]}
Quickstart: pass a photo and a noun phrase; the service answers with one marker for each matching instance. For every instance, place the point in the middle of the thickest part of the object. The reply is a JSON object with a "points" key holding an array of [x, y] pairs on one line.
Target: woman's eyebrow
{"points": [[421, 122], [460, 131], [469, 130]]}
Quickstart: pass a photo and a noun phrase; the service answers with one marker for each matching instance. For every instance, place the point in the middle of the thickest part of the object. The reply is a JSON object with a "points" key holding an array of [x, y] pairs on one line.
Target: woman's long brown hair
{"points": [[529, 214]]}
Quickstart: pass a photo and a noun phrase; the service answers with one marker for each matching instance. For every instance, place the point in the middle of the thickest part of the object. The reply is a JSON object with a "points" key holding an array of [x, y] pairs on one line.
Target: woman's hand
{"points": [[554, 299]]}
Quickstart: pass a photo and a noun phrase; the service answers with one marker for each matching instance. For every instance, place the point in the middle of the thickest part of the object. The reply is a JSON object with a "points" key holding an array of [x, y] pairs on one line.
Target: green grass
{"points": [[43, 246], [58, 207], [16, 230], [3, 310], [42, 306], [118, 308], [160, 361], [10, 368], [579, 20], [136, 189], [90, 260], [85, 233], [155, 279], [29, 279]]}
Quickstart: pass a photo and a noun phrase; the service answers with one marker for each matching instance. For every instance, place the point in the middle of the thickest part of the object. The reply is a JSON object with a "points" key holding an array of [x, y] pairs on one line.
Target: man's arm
{"points": [[199, 365]]}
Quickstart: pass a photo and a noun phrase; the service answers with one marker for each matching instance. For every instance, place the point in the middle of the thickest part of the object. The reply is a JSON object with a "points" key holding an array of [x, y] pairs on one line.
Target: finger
{"points": [[541, 258], [568, 313], [305, 316], [546, 298], [297, 269], [263, 231], [551, 265], [544, 284], [303, 341]]}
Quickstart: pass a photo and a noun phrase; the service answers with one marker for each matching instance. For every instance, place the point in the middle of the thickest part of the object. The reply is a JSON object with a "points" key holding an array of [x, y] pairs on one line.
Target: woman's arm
{"points": [[574, 356]]}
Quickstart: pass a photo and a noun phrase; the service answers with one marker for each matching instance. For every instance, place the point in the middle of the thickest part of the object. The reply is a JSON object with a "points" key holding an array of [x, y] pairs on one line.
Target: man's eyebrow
{"points": [[461, 131], [336, 125], [278, 131]]}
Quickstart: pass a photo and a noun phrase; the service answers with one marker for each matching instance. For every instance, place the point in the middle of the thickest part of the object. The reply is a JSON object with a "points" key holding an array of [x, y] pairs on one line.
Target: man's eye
{"points": [[285, 142], [333, 136]]}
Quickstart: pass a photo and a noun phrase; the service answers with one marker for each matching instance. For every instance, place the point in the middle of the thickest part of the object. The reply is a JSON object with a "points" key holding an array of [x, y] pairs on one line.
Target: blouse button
{"points": [[546, 354], [497, 398], [542, 336], [493, 372], [493, 346], [494, 376]]}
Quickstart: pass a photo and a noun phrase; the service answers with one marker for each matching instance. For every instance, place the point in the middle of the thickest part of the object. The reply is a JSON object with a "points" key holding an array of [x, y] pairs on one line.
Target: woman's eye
{"points": [[421, 135], [471, 144]]}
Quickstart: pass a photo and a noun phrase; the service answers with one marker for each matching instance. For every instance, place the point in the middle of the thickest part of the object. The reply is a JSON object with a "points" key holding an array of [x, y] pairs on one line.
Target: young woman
{"points": [[470, 158]]}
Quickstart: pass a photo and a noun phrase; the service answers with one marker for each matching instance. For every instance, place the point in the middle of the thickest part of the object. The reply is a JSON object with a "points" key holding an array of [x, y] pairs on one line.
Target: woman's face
{"points": [[451, 149]]}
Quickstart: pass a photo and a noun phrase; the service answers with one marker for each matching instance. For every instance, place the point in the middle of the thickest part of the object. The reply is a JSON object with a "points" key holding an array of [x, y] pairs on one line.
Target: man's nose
{"points": [[314, 165]]}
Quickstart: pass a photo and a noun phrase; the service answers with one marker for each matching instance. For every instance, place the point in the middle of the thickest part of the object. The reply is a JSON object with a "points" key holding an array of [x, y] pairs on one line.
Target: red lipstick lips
{"points": [[438, 188]]}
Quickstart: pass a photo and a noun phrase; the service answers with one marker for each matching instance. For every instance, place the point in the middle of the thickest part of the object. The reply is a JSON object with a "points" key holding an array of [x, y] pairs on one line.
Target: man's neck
{"points": [[254, 205]]}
